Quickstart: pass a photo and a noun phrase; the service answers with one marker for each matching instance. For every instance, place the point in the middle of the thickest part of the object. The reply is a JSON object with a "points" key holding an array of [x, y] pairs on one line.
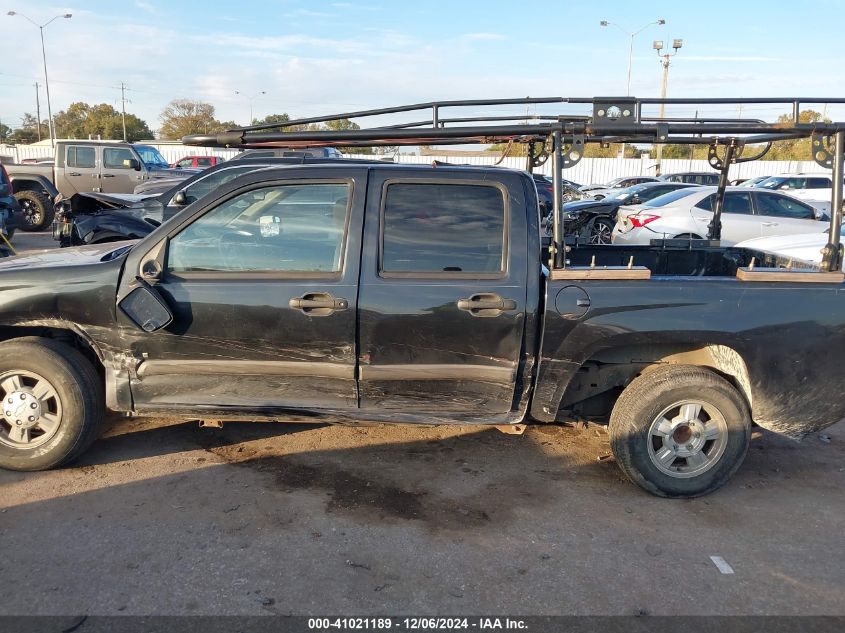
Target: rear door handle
{"points": [[74, 173], [770, 224], [108, 175], [318, 303], [486, 305]]}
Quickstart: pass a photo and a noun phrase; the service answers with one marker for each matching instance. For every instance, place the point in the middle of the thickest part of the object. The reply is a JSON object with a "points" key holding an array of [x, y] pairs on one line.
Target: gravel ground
{"points": [[162, 517]]}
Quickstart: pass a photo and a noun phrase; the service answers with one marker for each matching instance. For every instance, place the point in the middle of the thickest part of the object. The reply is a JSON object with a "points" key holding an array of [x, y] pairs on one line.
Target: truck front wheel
{"points": [[52, 404], [680, 431], [37, 210]]}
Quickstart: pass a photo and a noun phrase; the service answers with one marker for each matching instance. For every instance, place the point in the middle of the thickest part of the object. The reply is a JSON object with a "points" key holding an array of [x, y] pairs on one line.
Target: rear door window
{"points": [[736, 202], [818, 183], [433, 229], [81, 156]]}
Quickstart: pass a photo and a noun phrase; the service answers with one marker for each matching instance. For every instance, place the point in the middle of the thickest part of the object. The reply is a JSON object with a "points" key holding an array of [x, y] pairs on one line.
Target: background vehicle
{"points": [[692, 177], [11, 215], [748, 213], [805, 248], [103, 166], [748, 182], [197, 162], [287, 152], [598, 192], [594, 220], [814, 189], [93, 218]]}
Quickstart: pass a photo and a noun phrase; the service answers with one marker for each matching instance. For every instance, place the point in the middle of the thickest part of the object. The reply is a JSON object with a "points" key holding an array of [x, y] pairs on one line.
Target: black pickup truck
{"points": [[401, 293]]}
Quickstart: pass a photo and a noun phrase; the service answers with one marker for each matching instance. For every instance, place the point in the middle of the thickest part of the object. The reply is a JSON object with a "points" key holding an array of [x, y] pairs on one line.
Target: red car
{"points": [[197, 162]]}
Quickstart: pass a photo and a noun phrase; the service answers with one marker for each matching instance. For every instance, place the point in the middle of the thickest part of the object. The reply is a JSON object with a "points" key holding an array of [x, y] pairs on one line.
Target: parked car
{"points": [[803, 248], [287, 152], [687, 213], [94, 218], [599, 192], [102, 166], [747, 182], [692, 177], [545, 190], [197, 162], [814, 189], [11, 215], [406, 293], [594, 220]]}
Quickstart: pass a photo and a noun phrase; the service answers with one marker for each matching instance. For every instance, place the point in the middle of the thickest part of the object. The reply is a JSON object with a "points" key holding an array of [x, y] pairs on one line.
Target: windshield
{"points": [[669, 198], [771, 182], [151, 156]]}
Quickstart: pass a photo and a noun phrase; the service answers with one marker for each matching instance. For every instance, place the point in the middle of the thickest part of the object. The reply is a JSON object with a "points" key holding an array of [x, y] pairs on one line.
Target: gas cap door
{"points": [[572, 302]]}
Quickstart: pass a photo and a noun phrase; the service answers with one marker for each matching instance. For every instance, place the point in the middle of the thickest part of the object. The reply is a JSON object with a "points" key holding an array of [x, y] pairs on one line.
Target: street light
{"points": [[44, 57], [657, 45], [631, 34], [251, 99]]}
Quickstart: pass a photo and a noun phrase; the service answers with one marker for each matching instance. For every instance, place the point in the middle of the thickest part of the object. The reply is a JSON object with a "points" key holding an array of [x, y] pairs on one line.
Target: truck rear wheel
{"points": [[680, 431], [37, 210], [52, 404]]}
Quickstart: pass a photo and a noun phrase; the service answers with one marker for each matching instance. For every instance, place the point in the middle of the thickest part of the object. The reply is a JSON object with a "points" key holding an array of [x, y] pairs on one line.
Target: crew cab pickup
{"points": [[401, 293], [101, 166]]}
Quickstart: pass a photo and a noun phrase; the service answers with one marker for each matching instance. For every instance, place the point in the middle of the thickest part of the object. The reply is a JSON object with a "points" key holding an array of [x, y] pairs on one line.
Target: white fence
{"points": [[588, 171]]}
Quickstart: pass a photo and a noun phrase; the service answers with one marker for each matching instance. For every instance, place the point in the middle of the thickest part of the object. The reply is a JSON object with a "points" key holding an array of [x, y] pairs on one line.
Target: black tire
{"points": [[37, 210], [601, 231], [79, 393], [638, 441]]}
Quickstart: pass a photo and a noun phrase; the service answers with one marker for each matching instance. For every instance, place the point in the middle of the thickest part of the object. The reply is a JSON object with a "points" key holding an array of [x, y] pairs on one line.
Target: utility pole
{"points": [[123, 107], [37, 111], [44, 58], [664, 61]]}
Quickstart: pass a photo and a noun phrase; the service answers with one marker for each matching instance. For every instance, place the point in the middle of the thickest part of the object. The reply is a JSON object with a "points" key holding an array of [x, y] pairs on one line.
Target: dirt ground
{"points": [[167, 518], [162, 517]]}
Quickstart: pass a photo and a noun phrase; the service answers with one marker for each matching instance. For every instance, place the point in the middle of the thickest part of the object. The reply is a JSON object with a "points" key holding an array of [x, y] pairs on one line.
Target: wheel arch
{"points": [[606, 373]]}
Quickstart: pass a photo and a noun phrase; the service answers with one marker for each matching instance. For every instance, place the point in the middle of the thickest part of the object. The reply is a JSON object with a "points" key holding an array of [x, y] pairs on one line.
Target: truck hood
{"points": [[74, 256]]}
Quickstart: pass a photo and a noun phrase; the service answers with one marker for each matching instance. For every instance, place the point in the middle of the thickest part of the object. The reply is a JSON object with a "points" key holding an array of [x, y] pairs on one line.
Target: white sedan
{"points": [[807, 248], [686, 213]]}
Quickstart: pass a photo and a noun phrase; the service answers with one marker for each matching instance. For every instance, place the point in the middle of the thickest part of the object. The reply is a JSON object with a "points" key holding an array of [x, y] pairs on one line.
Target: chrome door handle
{"points": [[74, 173], [486, 305], [318, 303], [770, 224]]}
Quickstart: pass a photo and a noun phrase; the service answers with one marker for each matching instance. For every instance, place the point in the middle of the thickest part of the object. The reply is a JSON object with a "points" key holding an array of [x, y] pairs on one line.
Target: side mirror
{"points": [[635, 200], [180, 199], [132, 163], [146, 309]]}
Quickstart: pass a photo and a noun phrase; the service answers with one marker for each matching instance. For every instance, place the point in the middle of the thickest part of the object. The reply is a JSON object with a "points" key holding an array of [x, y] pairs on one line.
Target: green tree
{"points": [[82, 120], [272, 118], [182, 117], [27, 132]]}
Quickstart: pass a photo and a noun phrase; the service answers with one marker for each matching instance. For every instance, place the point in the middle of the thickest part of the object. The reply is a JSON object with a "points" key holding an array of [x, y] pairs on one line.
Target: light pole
{"points": [[631, 34], [44, 57], [664, 61], [251, 99]]}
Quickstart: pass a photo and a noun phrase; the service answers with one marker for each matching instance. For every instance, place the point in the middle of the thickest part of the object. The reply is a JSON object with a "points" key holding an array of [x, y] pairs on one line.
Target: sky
{"points": [[318, 57]]}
